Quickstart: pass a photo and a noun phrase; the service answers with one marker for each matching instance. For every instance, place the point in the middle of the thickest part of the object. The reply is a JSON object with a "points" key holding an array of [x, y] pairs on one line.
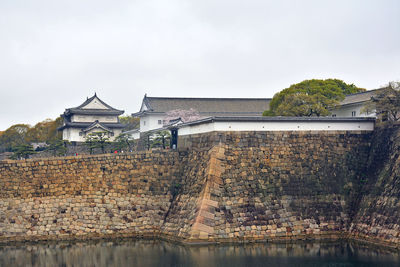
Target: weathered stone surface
{"points": [[378, 216], [227, 187]]}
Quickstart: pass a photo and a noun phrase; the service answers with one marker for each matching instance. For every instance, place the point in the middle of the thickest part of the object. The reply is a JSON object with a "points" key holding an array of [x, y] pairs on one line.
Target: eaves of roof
{"points": [[84, 125], [353, 104], [147, 102], [145, 112], [72, 111], [132, 131], [96, 124]]}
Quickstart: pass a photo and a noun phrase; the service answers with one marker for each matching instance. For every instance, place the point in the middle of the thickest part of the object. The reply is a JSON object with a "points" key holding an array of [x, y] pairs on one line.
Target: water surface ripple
{"points": [[160, 253]]}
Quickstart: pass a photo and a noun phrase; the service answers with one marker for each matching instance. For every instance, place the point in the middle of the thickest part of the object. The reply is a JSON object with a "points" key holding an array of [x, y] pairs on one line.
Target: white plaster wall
{"points": [[65, 134], [276, 126], [151, 122], [95, 104], [116, 133], [135, 135], [347, 110], [86, 118], [196, 129], [72, 135], [111, 138]]}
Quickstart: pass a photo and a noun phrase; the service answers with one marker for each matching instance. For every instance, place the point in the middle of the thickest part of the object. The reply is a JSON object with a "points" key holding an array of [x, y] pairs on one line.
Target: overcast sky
{"points": [[54, 54]]}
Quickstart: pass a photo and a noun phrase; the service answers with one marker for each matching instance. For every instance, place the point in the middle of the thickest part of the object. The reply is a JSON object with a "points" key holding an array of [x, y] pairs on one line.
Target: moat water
{"points": [[159, 253]]}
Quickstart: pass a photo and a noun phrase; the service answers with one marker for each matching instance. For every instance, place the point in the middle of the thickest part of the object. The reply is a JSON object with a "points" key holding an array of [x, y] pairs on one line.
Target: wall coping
{"points": [[279, 119]]}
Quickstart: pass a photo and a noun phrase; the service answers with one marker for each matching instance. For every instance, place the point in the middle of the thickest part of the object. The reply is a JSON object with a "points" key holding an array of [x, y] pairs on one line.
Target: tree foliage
{"points": [[97, 140], [147, 140], [45, 131], [18, 134], [131, 122], [387, 102], [22, 151], [159, 139], [57, 147], [162, 139], [123, 142], [13, 136], [310, 98]]}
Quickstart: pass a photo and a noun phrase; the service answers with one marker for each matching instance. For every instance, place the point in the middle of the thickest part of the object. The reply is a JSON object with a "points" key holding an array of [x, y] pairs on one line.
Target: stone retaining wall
{"points": [[276, 185], [84, 196], [378, 216], [229, 187]]}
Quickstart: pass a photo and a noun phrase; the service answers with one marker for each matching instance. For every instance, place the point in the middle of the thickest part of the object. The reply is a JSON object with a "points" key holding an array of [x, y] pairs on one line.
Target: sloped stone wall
{"points": [[378, 216], [278, 185]]}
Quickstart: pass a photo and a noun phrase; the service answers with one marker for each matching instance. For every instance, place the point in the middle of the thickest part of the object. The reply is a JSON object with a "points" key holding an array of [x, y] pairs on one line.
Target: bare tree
{"points": [[387, 102]]}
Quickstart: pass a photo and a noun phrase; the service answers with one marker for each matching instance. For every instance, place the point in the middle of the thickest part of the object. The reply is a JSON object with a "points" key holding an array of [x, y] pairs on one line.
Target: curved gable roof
{"points": [[107, 110], [97, 124]]}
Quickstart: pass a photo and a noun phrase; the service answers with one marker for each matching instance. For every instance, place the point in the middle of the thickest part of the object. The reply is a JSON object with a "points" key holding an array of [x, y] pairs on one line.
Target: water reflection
{"points": [[159, 253]]}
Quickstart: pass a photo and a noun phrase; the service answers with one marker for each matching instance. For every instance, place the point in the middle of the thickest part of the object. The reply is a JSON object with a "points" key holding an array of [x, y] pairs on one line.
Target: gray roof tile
{"points": [[359, 97], [209, 105], [79, 109]]}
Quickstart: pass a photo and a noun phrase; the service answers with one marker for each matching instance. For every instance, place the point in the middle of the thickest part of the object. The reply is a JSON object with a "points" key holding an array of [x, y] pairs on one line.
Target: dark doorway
{"points": [[174, 138]]}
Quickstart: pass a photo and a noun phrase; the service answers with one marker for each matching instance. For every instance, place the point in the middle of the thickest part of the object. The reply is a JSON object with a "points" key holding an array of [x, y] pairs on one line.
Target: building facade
{"points": [[154, 109], [354, 105], [93, 115]]}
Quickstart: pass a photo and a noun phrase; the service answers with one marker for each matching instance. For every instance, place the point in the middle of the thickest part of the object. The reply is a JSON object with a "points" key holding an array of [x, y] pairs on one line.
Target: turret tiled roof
{"points": [[108, 110]]}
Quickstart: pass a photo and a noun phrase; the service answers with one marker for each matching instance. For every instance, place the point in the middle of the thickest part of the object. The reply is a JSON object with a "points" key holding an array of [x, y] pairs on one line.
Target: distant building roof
{"points": [[359, 97], [93, 106], [205, 106]]}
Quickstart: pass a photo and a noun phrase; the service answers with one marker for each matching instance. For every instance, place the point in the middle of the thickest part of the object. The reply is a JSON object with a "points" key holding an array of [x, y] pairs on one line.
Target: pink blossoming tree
{"points": [[184, 115]]}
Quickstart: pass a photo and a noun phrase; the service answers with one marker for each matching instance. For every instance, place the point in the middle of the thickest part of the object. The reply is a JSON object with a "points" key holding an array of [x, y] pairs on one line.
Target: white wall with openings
{"points": [[276, 126]]}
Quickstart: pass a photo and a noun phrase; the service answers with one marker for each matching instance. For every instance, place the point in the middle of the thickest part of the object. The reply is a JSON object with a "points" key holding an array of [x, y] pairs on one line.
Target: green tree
{"points": [[310, 98], [147, 140], [19, 134], [131, 122], [57, 147], [45, 131], [13, 136], [23, 151], [123, 142], [162, 139], [97, 140], [387, 102]]}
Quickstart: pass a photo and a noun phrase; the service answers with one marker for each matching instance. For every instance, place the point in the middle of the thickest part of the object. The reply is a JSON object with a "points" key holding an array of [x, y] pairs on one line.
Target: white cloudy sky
{"points": [[53, 54]]}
